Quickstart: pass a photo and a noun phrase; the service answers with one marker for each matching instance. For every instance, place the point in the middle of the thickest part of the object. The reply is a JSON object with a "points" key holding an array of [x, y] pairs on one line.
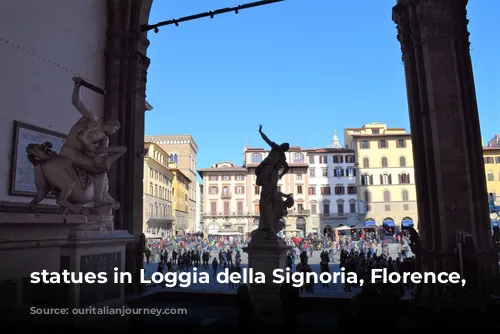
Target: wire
{"points": [[59, 66]]}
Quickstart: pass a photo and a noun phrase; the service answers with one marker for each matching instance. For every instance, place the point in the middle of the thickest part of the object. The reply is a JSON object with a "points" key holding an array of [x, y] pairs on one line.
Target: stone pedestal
{"points": [[265, 256], [80, 243]]}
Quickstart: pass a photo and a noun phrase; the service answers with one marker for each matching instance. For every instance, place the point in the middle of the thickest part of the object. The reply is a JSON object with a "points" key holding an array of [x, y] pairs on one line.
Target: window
{"points": [[375, 132], [405, 196], [491, 177], [240, 177], [298, 176], [213, 208], [325, 190], [385, 179], [326, 208], [368, 208], [488, 160], [340, 208], [387, 196], [338, 159], [497, 160], [311, 159], [368, 197], [382, 143], [240, 208], [256, 158], [279, 188], [256, 190], [352, 207], [366, 163], [225, 190], [226, 208], [401, 143], [338, 172], [323, 159], [351, 190], [298, 157], [312, 172], [387, 207], [173, 158], [406, 207], [312, 190], [314, 209], [151, 188], [349, 159], [404, 179], [151, 173], [240, 190], [299, 189], [324, 171], [384, 162], [256, 209], [214, 190], [402, 162], [350, 172], [364, 144], [156, 190], [366, 180], [339, 190], [300, 207], [226, 178]]}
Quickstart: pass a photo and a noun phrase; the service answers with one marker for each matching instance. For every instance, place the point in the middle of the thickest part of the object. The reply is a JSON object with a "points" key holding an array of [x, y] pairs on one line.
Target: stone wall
{"points": [[37, 64]]}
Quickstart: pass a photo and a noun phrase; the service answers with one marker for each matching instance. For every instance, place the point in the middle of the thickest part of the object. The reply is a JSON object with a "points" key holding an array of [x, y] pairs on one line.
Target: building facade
{"points": [[491, 155], [295, 182], [199, 207], [182, 150], [333, 188], [224, 196], [158, 188], [386, 180], [180, 199]]}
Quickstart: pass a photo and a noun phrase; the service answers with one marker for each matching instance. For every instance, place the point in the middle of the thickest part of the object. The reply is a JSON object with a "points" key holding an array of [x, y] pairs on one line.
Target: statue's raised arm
{"points": [[77, 102], [266, 139]]}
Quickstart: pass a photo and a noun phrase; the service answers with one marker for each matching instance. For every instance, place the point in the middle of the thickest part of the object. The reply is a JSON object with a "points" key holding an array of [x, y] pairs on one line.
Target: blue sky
{"points": [[302, 68]]}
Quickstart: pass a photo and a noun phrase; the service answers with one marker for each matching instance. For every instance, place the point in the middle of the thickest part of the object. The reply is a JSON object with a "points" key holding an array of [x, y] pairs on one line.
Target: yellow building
{"points": [[181, 200], [386, 181], [158, 218], [491, 154]]}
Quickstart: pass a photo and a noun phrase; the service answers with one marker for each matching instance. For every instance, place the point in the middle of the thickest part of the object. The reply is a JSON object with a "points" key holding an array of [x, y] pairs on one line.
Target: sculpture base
{"points": [[77, 243], [265, 256]]}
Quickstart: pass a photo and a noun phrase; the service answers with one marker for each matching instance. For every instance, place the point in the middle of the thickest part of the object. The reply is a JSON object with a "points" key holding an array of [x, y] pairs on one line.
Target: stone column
{"points": [[449, 169], [126, 67]]}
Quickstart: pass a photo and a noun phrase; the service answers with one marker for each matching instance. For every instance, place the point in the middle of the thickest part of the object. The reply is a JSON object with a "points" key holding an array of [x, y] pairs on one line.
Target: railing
{"points": [[231, 214], [299, 212], [226, 196]]}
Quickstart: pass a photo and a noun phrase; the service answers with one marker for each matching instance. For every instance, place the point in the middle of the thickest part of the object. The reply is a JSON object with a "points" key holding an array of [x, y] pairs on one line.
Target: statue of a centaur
{"points": [[78, 174]]}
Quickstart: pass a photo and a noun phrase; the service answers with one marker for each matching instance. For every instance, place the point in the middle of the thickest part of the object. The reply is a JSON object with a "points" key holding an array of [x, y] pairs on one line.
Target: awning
{"points": [[152, 236], [389, 223], [370, 223], [407, 223]]}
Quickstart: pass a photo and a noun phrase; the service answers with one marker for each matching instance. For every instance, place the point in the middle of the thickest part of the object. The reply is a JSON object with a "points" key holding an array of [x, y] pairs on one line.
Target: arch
{"points": [[387, 196], [370, 222], [173, 158], [340, 225], [365, 180], [402, 161], [388, 223], [256, 222], [366, 162], [384, 162], [300, 221], [340, 201], [213, 228], [385, 179], [256, 158], [407, 222], [404, 178], [327, 229], [298, 157]]}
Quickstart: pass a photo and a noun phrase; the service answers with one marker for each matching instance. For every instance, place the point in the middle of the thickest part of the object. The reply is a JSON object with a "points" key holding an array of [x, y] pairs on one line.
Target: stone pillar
{"points": [[265, 256], [449, 169], [126, 67]]}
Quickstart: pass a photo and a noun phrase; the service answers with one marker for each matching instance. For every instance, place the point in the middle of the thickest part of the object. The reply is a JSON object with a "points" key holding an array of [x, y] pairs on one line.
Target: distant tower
{"points": [[335, 141]]}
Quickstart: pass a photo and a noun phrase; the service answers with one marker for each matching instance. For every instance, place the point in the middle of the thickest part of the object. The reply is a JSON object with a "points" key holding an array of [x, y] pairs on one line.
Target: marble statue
{"points": [[273, 207], [78, 174]]}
